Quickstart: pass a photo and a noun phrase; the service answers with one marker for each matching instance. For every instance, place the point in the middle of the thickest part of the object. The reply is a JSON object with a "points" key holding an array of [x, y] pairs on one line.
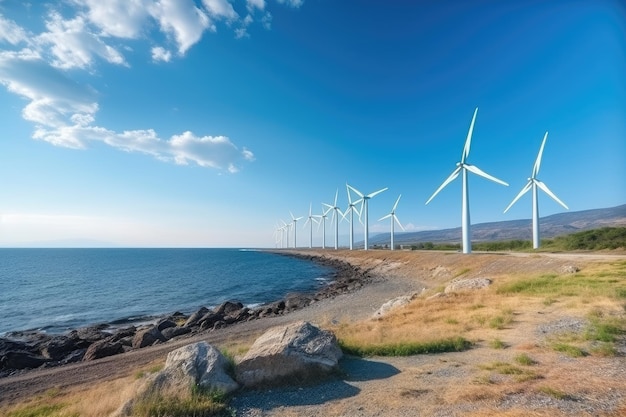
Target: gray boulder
{"points": [[298, 352], [103, 348], [147, 337], [467, 284]]}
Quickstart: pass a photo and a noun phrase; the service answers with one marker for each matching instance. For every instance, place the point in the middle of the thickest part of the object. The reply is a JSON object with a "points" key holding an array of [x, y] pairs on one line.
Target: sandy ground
{"points": [[417, 385]]}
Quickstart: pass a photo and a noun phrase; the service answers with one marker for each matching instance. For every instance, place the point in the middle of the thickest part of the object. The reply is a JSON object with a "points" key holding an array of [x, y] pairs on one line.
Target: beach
{"points": [[400, 385]]}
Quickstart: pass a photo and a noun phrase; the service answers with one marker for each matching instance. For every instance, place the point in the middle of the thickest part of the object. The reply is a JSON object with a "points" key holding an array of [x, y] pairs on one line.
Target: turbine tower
{"points": [[462, 168], [294, 221], [352, 208], [364, 209], [310, 219], [322, 223], [394, 218], [533, 183], [335, 218]]}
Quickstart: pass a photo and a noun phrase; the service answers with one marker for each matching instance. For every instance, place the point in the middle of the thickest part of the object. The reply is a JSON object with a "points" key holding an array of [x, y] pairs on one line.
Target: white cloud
{"points": [[292, 3], [220, 8], [182, 20], [119, 18], [255, 4], [72, 45], [10, 32], [161, 54]]}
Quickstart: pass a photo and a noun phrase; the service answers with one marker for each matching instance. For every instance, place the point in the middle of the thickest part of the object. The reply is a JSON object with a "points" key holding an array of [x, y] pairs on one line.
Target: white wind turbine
{"points": [[394, 219], [310, 219], [462, 168], [285, 229], [364, 209], [335, 218], [322, 218], [352, 208], [533, 183], [294, 221]]}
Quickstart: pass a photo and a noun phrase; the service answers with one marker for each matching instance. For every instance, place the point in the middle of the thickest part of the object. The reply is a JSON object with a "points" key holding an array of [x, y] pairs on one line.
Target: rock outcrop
{"points": [[467, 284], [298, 352]]}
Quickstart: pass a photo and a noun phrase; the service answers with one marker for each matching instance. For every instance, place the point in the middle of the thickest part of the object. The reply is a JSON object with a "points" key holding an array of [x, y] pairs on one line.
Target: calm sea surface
{"points": [[60, 289]]}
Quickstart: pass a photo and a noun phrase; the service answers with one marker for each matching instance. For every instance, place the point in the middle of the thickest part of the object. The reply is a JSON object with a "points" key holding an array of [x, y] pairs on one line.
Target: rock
{"points": [[569, 269], [103, 348], [293, 353], [58, 347], [297, 301], [172, 332], [228, 307], [20, 359], [165, 324], [467, 284], [147, 337], [90, 334], [195, 317], [198, 364], [392, 305], [436, 295], [209, 319]]}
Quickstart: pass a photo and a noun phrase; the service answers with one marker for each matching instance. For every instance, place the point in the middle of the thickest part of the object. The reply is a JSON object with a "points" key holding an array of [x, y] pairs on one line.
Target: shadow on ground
{"points": [[352, 370]]}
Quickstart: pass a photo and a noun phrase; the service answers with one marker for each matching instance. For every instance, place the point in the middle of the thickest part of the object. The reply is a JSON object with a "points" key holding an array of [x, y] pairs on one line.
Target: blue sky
{"points": [[183, 123]]}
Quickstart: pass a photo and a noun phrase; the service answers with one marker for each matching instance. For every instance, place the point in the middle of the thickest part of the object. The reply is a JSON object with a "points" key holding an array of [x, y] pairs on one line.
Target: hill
{"points": [[551, 226]]}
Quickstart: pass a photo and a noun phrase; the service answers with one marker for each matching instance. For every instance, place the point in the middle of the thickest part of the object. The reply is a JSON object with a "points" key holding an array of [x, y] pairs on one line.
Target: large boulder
{"points": [[195, 317], [296, 353], [392, 305], [196, 365]]}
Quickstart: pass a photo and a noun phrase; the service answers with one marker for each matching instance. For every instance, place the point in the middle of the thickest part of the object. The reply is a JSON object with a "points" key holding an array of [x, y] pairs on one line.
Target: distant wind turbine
{"points": [[394, 219], [533, 183], [286, 230], [310, 219], [463, 167], [351, 209], [335, 218], [294, 220], [322, 218], [366, 198]]}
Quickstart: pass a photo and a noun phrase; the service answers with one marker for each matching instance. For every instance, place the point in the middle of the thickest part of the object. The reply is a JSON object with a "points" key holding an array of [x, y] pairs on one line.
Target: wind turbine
{"points": [[533, 183], [366, 198], [394, 218], [462, 168], [323, 224], [352, 208], [310, 219], [285, 228], [335, 218], [294, 220]]}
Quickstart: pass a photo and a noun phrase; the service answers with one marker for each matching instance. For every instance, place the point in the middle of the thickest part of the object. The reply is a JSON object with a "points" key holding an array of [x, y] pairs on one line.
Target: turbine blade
{"points": [[527, 187], [396, 205], [483, 174], [468, 140], [385, 217], [398, 222], [357, 192], [310, 209], [349, 196], [550, 193], [377, 192], [292, 217], [448, 180], [336, 194], [538, 160]]}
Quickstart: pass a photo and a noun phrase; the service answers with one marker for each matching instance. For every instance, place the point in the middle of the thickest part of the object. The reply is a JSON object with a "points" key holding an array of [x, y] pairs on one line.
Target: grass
{"points": [[524, 359], [568, 349], [554, 393], [457, 344], [503, 368], [42, 410], [497, 344], [199, 403]]}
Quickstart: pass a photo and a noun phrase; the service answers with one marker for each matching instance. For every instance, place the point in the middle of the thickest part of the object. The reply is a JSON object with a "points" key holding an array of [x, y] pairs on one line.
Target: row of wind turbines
{"points": [[462, 168]]}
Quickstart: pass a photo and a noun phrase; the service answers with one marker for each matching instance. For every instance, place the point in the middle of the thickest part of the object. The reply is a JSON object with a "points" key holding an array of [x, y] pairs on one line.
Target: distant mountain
{"points": [[550, 226]]}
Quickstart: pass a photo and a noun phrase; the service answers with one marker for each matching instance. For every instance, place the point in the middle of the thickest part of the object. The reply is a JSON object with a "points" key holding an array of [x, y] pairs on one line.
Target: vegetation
{"points": [[503, 368], [200, 403], [456, 344], [607, 238], [524, 359], [41, 410]]}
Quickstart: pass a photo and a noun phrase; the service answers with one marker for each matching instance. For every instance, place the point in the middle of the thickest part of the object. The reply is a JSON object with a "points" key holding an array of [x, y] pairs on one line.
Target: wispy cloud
{"points": [[89, 32]]}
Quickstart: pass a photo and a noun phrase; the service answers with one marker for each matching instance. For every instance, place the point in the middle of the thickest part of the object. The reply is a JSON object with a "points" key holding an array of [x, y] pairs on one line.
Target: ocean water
{"points": [[55, 290]]}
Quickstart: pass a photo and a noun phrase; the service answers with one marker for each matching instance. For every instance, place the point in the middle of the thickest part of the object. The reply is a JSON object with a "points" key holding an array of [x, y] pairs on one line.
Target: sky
{"points": [[204, 123]]}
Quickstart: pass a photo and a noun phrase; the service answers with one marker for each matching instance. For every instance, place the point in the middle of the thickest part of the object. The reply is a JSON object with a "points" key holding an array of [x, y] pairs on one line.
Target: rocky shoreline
{"points": [[22, 351]]}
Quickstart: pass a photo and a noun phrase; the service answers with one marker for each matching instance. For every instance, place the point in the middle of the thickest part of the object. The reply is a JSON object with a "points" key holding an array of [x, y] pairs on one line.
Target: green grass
{"points": [[554, 393], [569, 350], [519, 374], [45, 410], [524, 359], [200, 403], [497, 344], [456, 344]]}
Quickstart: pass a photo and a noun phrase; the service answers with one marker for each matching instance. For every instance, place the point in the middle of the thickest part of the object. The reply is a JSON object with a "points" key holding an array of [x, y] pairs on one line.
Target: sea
{"points": [[56, 290]]}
